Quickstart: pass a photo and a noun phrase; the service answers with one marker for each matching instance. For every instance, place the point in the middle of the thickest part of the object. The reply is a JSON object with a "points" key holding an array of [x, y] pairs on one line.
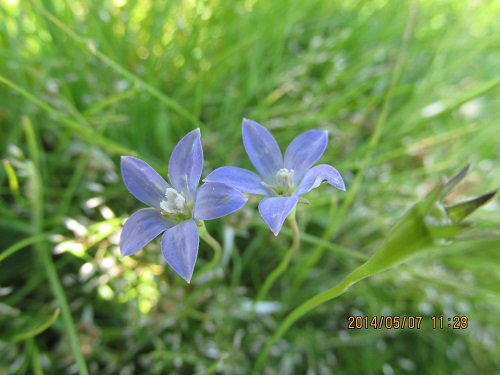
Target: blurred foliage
{"points": [[83, 82]]}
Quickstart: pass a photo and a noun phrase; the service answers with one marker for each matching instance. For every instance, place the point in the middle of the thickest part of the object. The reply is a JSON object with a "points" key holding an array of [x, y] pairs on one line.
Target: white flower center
{"points": [[284, 177], [174, 203]]}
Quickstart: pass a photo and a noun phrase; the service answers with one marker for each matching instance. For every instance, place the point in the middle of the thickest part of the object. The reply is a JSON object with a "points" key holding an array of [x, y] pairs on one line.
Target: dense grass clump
{"points": [[408, 91]]}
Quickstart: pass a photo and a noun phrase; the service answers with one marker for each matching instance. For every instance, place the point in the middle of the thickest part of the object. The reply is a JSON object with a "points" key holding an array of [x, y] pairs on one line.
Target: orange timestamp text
{"points": [[384, 321]]}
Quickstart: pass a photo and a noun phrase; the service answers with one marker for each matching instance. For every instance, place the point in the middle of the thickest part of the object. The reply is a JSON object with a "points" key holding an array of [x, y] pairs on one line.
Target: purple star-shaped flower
{"points": [[175, 207], [281, 180]]}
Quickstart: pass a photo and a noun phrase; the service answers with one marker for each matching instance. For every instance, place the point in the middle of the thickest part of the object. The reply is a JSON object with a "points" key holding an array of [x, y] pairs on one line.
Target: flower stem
{"points": [[214, 244], [355, 276], [278, 271]]}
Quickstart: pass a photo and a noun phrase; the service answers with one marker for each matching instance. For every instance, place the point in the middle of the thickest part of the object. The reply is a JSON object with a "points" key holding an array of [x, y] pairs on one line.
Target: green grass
{"points": [[83, 82]]}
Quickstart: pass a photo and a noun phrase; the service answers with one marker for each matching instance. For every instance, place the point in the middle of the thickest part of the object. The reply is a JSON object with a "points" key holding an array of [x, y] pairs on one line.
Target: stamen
{"points": [[174, 203], [284, 178]]}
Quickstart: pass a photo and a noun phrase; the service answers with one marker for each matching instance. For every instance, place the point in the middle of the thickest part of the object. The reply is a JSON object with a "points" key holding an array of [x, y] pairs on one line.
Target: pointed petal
{"points": [[179, 246], [215, 199], [318, 174], [304, 151], [454, 181], [239, 179], [262, 149], [460, 211], [185, 165], [143, 181], [141, 228], [275, 210]]}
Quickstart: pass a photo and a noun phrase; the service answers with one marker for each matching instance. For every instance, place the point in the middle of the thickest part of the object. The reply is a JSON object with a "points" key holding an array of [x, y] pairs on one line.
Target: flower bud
{"points": [[426, 225]]}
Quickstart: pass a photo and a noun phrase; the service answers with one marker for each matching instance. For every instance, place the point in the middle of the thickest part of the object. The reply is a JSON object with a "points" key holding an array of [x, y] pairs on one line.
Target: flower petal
{"points": [[262, 149], [215, 199], [179, 246], [304, 151], [275, 210], [316, 175], [239, 179], [143, 181], [142, 228], [185, 165]]}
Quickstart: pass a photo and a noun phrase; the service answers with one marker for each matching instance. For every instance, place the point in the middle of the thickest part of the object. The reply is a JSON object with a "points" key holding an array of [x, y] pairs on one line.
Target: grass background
{"points": [[408, 91]]}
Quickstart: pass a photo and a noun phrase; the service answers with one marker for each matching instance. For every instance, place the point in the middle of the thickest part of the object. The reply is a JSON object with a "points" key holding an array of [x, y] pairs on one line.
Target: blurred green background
{"points": [[408, 91]]}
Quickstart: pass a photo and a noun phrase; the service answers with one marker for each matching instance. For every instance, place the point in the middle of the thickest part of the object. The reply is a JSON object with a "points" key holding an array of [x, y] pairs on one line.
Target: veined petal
{"points": [[275, 210], [179, 246], [185, 165], [304, 151], [215, 199], [318, 174], [262, 149], [141, 228], [239, 179], [143, 181]]}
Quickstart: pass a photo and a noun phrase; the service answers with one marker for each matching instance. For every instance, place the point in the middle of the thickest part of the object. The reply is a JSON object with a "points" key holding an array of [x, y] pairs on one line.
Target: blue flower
{"points": [[174, 207], [282, 180]]}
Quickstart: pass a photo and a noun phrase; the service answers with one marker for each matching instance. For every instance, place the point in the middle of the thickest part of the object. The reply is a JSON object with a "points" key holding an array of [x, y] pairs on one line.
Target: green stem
{"points": [[62, 301], [214, 244], [355, 276], [35, 356], [22, 244], [278, 271], [37, 217], [82, 130]]}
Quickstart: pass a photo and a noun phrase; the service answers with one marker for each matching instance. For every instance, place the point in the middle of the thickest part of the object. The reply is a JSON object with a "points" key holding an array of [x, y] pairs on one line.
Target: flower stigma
{"points": [[284, 179]]}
